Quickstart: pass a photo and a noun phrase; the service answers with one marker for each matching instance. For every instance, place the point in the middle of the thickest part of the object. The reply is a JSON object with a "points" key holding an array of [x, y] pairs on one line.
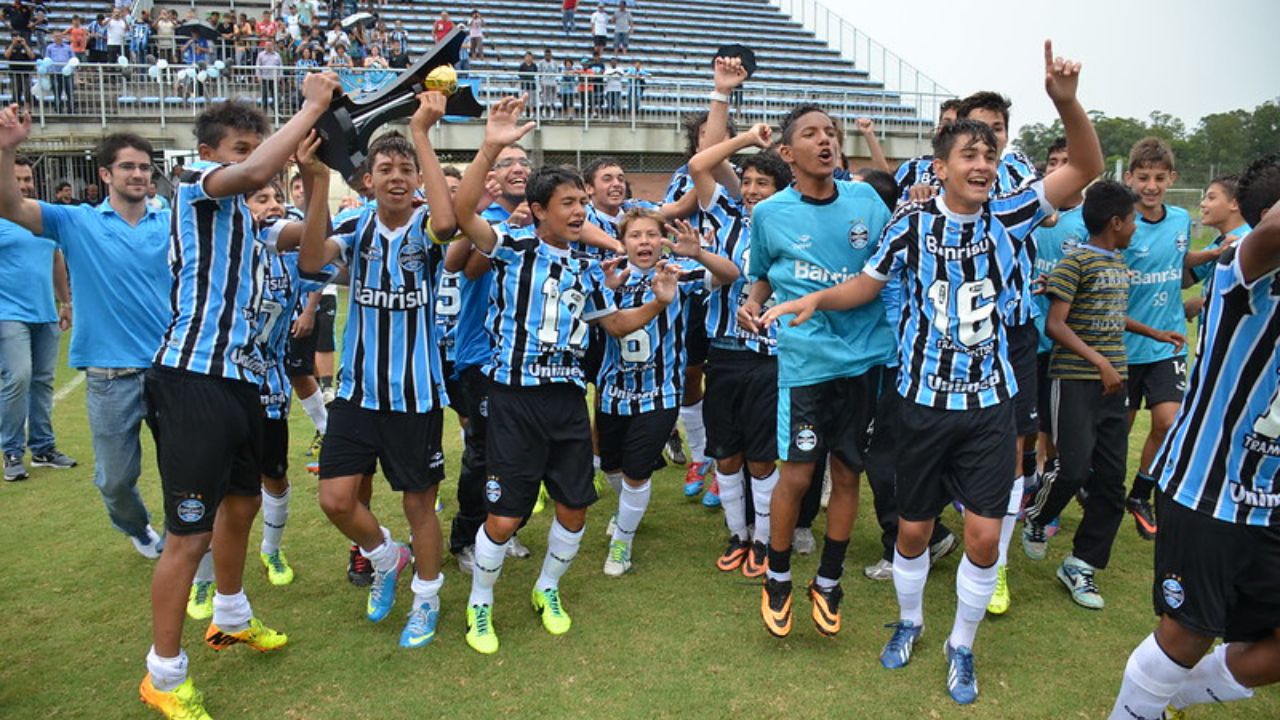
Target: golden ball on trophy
{"points": [[443, 79]]}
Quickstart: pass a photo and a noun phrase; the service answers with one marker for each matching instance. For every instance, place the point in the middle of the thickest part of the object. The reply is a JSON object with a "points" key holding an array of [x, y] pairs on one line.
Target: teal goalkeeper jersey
{"points": [[1154, 257], [801, 245]]}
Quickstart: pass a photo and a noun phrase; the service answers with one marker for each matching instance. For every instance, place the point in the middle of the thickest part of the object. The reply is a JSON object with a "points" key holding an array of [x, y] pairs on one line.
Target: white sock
{"points": [[488, 566], [385, 556], [1210, 681], [974, 587], [615, 481], [1150, 680], [231, 613], [562, 547], [1009, 521], [167, 673], [427, 592], [275, 515], [762, 495], [734, 503], [909, 577], [695, 432], [204, 571], [631, 507], [315, 409]]}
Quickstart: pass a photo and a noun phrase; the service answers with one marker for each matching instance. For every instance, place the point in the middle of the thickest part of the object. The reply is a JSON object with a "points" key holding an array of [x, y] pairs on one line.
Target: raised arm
{"points": [[1084, 163], [868, 130], [430, 110], [688, 244], [15, 126], [702, 166], [317, 249], [500, 130]]}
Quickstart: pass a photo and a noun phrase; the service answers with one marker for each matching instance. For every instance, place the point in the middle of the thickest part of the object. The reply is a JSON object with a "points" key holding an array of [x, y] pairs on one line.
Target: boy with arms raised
{"points": [[957, 257]]}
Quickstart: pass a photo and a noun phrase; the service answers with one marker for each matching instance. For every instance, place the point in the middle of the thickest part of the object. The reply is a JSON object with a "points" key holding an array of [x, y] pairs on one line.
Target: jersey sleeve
{"points": [[600, 300], [761, 254], [194, 178], [344, 235], [1021, 211], [315, 282], [269, 233], [891, 255], [1064, 281], [504, 246]]}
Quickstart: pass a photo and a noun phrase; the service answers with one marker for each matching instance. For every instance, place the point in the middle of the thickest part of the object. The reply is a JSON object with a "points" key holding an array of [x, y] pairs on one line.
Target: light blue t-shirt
{"points": [[1052, 244], [26, 276], [801, 245], [1155, 256], [120, 282]]}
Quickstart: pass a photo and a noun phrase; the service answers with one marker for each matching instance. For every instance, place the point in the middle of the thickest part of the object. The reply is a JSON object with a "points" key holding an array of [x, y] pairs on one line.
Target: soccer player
{"points": [[642, 372], [957, 257], [1217, 556], [117, 257], [1220, 210], [1089, 288], [538, 429], [805, 238], [391, 395], [915, 176]]}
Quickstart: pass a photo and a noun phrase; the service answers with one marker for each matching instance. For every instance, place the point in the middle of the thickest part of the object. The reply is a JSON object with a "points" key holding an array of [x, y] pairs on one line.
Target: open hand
{"points": [[502, 127]]}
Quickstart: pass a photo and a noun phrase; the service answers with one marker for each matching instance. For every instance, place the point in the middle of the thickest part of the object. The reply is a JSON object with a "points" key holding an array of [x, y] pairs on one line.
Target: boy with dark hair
{"points": [[1089, 288], [1217, 556], [1220, 210]]}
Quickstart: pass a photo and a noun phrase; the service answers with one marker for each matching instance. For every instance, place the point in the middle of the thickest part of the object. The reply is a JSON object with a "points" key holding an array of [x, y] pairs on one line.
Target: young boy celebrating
{"points": [[1220, 210], [957, 258], [542, 301], [391, 395], [1089, 288]]}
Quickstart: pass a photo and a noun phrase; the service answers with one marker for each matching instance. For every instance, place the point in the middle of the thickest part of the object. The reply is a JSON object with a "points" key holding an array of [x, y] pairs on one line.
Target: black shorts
{"points": [[406, 445], [1044, 409], [832, 416], [945, 455], [1216, 578], [534, 435], [208, 435], [740, 405], [275, 448], [633, 443], [453, 387], [1158, 382], [326, 320], [300, 355], [696, 343], [1024, 340]]}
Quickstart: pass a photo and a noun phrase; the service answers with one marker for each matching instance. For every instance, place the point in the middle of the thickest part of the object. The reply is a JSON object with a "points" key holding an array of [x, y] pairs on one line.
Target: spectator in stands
{"points": [[64, 194], [568, 8], [336, 36], [306, 62], [636, 76], [289, 22], [593, 67], [268, 65], [117, 35], [380, 37], [40, 30], [528, 72], [442, 26], [599, 28], [475, 35], [140, 38], [307, 11], [568, 83], [613, 79], [340, 61], [547, 76], [226, 28], [244, 40], [623, 26], [375, 66], [92, 194], [18, 15], [79, 36], [20, 56], [164, 29], [59, 52], [399, 38], [98, 39], [398, 59], [266, 29]]}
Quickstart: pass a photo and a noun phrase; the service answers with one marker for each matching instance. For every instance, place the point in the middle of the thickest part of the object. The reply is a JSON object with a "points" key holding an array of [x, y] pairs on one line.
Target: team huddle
{"points": [[929, 329]]}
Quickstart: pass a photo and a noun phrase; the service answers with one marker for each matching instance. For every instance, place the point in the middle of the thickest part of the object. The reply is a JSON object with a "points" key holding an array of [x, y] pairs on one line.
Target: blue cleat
{"points": [[382, 592], [420, 630], [897, 652], [711, 498], [962, 684]]}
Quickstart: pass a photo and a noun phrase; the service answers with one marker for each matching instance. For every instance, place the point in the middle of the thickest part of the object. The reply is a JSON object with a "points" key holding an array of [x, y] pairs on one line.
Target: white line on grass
{"points": [[67, 389]]}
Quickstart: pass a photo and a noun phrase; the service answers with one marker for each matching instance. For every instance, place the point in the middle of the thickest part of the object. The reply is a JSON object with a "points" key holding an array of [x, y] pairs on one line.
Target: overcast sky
{"points": [[1185, 57]]}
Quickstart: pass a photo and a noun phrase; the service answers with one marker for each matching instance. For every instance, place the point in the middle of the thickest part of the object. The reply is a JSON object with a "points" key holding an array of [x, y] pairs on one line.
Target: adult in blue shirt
{"points": [[59, 51], [118, 255]]}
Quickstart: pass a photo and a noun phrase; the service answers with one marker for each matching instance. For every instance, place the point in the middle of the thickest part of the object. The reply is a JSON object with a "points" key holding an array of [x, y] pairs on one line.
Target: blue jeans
{"points": [[117, 407], [28, 354], [568, 22]]}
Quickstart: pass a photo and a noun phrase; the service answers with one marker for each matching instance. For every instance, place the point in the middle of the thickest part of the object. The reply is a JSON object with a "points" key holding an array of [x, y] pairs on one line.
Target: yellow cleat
{"points": [[200, 601], [548, 605], [184, 702], [257, 636], [541, 502], [481, 635], [279, 572], [999, 604]]}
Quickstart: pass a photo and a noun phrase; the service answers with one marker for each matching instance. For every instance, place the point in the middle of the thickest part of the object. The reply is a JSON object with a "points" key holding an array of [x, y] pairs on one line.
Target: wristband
{"points": [[717, 96]]}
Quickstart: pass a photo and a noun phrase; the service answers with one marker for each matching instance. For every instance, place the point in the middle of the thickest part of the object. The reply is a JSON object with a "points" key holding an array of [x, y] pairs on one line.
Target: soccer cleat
{"points": [[382, 591], [999, 604], [481, 635], [1052, 528], [359, 569], [541, 502], [517, 549], [733, 556], [14, 470], [695, 476], [1144, 517], [711, 498], [897, 652], [618, 561], [882, 570], [278, 570], [313, 467], [420, 630], [826, 607], [257, 636], [313, 450], [548, 605], [962, 683], [802, 541], [757, 560], [200, 601], [775, 607], [52, 459], [1034, 542], [1077, 576], [675, 449], [184, 702], [943, 548], [466, 558], [150, 546], [1173, 713]]}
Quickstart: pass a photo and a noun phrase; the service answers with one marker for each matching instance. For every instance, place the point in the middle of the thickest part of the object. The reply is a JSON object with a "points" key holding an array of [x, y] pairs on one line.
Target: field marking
{"points": [[67, 389]]}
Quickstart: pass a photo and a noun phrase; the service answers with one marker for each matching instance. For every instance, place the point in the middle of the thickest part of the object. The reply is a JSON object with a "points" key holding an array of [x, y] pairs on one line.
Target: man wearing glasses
{"points": [[117, 254]]}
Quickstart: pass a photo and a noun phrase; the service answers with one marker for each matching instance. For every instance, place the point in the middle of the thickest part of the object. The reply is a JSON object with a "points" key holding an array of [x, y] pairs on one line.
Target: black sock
{"points": [[779, 560], [1143, 485], [831, 566], [1029, 463]]}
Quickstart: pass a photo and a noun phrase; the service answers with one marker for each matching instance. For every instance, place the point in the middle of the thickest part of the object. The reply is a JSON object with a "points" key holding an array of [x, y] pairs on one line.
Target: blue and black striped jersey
{"points": [[733, 241], [284, 287], [609, 224], [916, 171], [449, 289]]}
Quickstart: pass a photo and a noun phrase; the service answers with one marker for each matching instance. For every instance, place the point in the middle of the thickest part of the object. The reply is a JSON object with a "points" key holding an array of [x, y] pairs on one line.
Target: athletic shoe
{"points": [[711, 498], [675, 449], [200, 600], [999, 604], [897, 652], [618, 561], [481, 635], [943, 548], [1034, 542], [1173, 713], [359, 569], [695, 476], [1077, 575], [757, 560], [184, 702], [313, 467], [881, 570], [257, 636], [734, 555], [52, 459], [1144, 517], [151, 547], [541, 502], [547, 604], [277, 565], [466, 558], [826, 607], [14, 470], [517, 549], [1053, 527], [313, 450], [613, 525], [382, 592], [775, 607], [962, 683], [601, 483], [802, 541], [420, 630]]}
